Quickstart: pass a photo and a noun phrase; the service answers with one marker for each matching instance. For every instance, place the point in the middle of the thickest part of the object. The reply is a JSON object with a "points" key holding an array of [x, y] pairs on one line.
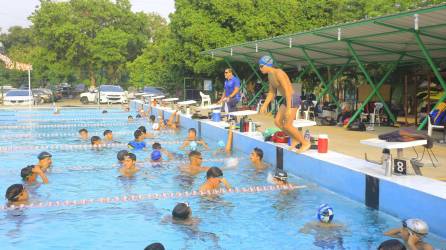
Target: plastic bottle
{"points": [[307, 135], [242, 124]]}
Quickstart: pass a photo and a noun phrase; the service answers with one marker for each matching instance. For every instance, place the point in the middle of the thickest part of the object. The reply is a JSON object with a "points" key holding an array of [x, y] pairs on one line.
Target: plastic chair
{"points": [[205, 99], [376, 117]]}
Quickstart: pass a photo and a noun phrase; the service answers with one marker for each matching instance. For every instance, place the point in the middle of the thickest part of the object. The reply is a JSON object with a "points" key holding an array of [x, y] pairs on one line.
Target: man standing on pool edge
{"points": [[231, 94], [279, 80]]}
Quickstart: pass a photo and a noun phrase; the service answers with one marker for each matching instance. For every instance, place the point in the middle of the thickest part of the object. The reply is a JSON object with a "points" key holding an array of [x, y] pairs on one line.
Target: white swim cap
{"points": [[417, 226]]}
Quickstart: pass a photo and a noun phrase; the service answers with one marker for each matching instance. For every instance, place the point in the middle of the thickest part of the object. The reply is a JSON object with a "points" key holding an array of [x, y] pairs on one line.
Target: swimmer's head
{"points": [[138, 135], [155, 155], [95, 140], [281, 175], [83, 133], [256, 155], [142, 129], [121, 154], [152, 118], [181, 211], [129, 160], [130, 118], [325, 213], [138, 116], [108, 134], [192, 132], [16, 192], [392, 244], [417, 226], [221, 144], [214, 172], [104, 111], [155, 246], [265, 62], [156, 145], [195, 157], [44, 155], [27, 172]]}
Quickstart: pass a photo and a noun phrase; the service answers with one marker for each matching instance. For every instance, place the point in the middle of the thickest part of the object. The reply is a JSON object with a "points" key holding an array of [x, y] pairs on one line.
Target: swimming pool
{"points": [[264, 220]]}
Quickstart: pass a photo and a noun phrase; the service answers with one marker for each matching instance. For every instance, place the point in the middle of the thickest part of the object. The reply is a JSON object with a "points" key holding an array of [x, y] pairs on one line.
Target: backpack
{"points": [[280, 137]]}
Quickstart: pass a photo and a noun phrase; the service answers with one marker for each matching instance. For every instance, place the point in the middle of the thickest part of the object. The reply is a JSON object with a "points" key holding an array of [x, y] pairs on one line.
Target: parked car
{"points": [[18, 97], [105, 94], [79, 89], [42, 95]]}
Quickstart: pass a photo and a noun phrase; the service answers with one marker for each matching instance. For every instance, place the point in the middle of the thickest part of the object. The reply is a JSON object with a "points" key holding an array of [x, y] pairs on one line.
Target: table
{"points": [[170, 99], [212, 106], [243, 113], [188, 102], [301, 123], [399, 146], [158, 97]]}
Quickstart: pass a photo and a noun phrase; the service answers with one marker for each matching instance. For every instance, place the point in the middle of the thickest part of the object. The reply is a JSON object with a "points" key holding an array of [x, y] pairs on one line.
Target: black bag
{"points": [[356, 126]]}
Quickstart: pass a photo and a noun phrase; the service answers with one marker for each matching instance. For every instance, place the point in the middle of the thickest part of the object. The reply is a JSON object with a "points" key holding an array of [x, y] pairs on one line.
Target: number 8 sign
{"points": [[399, 166]]}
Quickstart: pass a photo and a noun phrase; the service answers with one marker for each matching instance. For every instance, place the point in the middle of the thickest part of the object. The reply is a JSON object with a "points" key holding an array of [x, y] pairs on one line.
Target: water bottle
{"points": [[242, 124], [307, 135], [387, 162]]}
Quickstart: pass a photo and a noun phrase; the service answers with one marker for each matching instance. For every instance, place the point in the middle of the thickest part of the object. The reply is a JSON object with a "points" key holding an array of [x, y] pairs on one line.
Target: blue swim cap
{"points": [[156, 155], [221, 144], [325, 213], [193, 145], [266, 60]]}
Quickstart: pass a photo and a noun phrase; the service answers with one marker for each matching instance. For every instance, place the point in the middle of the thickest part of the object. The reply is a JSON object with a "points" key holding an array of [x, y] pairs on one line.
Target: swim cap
{"points": [[221, 144], [266, 60], [325, 213], [43, 155], [417, 226], [26, 172], [281, 175], [156, 155], [193, 145], [121, 154]]}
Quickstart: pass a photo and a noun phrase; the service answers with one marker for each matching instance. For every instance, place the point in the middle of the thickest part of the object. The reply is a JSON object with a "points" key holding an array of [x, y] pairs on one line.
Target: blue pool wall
{"points": [[374, 191]]}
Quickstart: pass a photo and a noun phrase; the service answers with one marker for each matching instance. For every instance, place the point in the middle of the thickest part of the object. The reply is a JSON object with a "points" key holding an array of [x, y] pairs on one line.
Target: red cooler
{"points": [[322, 144]]}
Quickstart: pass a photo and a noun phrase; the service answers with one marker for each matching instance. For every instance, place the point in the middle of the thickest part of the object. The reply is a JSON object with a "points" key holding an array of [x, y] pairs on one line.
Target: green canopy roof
{"points": [[377, 40]]}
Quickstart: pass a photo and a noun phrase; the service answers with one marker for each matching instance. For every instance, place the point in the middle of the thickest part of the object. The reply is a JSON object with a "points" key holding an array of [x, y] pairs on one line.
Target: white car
{"points": [[106, 94], [18, 97]]}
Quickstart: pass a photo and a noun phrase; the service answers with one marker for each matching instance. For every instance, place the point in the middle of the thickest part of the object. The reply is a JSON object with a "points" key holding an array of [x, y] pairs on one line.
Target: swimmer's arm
{"points": [[269, 97], [40, 173], [202, 142], [226, 183], [393, 233], [228, 147], [185, 144], [167, 153]]}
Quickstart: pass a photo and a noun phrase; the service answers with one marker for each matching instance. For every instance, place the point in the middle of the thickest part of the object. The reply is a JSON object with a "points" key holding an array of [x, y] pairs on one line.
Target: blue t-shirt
{"points": [[230, 85], [137, 145]]}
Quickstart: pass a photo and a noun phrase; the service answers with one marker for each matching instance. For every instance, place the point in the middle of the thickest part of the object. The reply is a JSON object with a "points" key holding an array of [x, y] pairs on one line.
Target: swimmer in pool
{"points": [[194, 167], [95, 141], [226, 148], [29, 174], [192, 137], [152, 119], [17, 195], [327, 235], [412, 232], [145, 133], [174, 121], [138, 143], [130, 119], [157, 146], [120, 155], [182, 214], [129, 167], [214, 178], [45, 161], [280, 177], [108, 136], [83, 134], [256, 158], [155, 246]]}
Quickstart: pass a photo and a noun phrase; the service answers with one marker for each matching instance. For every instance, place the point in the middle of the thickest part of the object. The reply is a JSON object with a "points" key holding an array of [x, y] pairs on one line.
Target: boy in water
{"points": [[16, 195], [214, 178], [195, 161], [83, 134], [412, 232], [129, 167], [192, 137], [29, 174], [138, 143]]}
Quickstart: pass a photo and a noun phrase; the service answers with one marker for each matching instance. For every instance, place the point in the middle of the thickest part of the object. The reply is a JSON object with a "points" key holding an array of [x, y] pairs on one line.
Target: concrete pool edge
{"points": [[400, 196]]}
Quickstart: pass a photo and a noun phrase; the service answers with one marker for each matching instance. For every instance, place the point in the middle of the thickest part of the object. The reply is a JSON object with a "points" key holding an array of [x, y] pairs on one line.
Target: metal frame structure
{"points": [[416, 36]]}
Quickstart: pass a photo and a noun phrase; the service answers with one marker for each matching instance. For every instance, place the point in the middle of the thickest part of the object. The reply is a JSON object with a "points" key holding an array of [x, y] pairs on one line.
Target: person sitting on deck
{"points": [[214, 177], [129, 167], [138, 143], [192, 137], [29, 174]]}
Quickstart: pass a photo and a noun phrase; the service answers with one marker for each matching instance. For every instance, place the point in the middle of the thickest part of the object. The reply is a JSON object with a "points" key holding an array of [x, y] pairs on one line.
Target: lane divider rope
{"points": [[155, 196]]}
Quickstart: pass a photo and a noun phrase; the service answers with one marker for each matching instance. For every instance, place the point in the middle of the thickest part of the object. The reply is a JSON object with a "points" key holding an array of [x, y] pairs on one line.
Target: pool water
{"points": [[264, 220]]}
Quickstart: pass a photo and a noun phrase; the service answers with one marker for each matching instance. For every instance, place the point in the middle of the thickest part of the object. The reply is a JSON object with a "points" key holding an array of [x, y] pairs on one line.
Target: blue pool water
{"points": [[267, 220]]}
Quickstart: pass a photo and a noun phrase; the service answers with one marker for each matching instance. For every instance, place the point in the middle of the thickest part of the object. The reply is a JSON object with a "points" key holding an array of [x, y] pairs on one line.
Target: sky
{"points": [[16, 12]]}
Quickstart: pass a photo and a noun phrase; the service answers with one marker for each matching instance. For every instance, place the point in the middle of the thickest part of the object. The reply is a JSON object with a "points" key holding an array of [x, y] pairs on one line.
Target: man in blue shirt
{"points": [[231, 95]]}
